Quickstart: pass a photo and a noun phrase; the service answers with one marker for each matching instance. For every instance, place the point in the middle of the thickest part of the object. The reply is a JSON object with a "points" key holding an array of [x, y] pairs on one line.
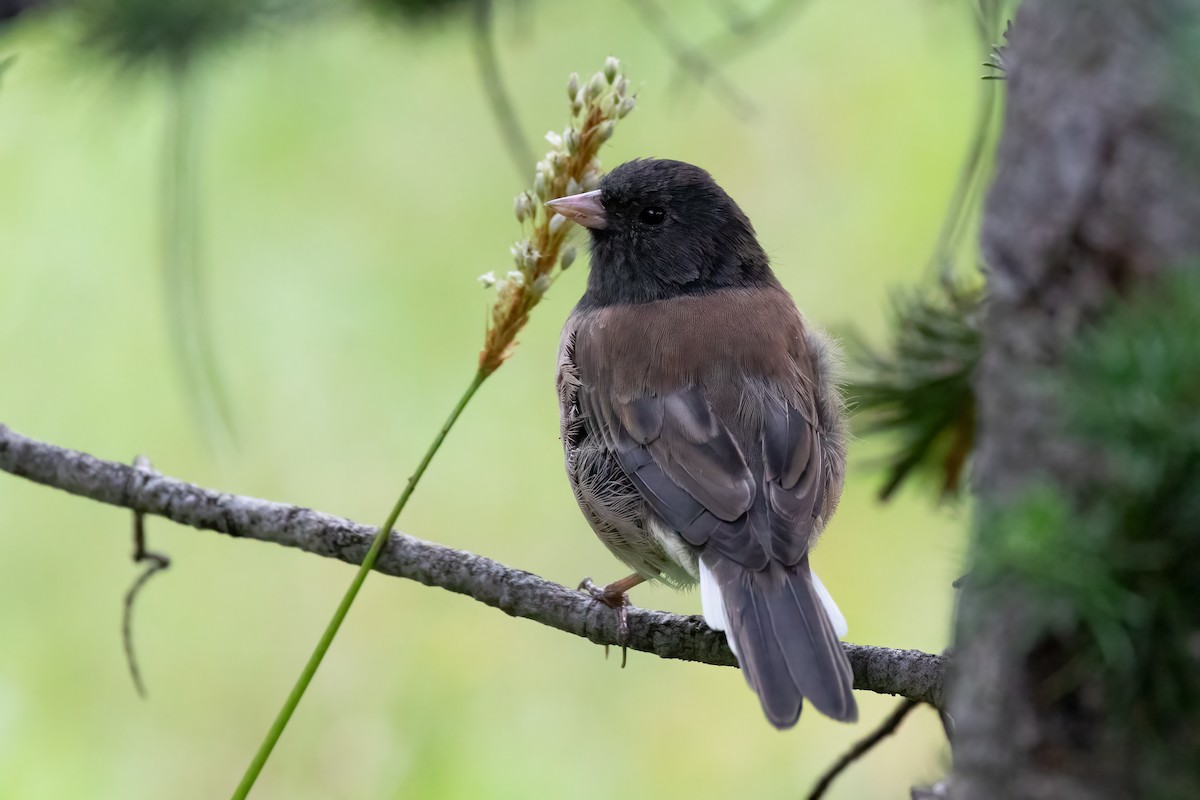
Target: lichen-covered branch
{"points": [[909, 673]]}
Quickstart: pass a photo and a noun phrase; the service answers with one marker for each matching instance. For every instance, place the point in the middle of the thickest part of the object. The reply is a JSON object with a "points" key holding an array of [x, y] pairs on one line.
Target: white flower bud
{"points": [[542, 284], [573, 186], [523, 206], [572, 139], [622, 87], [568, 257], [555, 139], [487, 280], [611, 67], [515, 277], [539, 185], [626, 106], [573, 86], [595, 86], [591, 180], [605, 131], [556, 223]]}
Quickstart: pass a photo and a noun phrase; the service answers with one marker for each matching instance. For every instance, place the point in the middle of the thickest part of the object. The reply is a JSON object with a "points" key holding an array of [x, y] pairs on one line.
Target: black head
{"points": [[661, 229]]}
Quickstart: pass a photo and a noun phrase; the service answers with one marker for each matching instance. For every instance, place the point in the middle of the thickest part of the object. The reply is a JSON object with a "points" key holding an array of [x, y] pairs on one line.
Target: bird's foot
{"points": [[614, 596]]}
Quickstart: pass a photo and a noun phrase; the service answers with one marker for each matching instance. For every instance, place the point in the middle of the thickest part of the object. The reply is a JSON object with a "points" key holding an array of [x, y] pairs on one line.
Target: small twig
{"points": [[691, 62], [973, 173], [750, 33], [158, 563], [736, 18], [184, 285], [885, 729], [505, 115]]}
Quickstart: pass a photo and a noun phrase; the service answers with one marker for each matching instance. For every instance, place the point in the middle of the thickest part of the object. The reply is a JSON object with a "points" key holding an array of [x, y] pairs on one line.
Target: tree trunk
{"points": [[1096, 191]]}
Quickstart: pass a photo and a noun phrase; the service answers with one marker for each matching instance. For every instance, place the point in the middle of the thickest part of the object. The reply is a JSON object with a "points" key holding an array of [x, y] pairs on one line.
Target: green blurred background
{"points": [[353, 187]]}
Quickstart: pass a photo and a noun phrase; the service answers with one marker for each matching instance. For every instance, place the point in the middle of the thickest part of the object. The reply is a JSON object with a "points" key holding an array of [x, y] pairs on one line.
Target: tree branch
{"points": [[863, 746], [909, 673]]}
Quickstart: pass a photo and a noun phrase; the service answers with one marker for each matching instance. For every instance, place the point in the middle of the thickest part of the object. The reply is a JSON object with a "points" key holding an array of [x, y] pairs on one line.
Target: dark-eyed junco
{"points": [[703, 428]]}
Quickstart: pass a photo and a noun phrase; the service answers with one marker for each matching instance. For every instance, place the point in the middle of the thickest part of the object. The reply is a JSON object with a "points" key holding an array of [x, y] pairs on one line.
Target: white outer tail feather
{"points": [[713, 605], [831, 608]]}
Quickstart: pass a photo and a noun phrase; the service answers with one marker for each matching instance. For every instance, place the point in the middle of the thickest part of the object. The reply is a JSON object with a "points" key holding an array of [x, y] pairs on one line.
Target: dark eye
{"points": [[652, 215]]}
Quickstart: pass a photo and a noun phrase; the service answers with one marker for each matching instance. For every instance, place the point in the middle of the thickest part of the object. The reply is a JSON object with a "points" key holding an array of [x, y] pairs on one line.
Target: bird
{"points": [[703, 428]]}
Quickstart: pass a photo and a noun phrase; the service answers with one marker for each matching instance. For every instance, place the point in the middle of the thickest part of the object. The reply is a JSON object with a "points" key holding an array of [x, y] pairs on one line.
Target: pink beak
{"points": [[586, 209]]}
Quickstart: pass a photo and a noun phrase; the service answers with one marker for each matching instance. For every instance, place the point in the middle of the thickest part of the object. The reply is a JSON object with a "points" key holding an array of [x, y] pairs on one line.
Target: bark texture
{"points": [[1096, 190], [908, 673]]}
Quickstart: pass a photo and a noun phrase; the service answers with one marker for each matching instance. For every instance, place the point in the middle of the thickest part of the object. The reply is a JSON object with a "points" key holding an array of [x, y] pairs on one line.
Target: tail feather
{"points": [[785, 642], [836, 619]]}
